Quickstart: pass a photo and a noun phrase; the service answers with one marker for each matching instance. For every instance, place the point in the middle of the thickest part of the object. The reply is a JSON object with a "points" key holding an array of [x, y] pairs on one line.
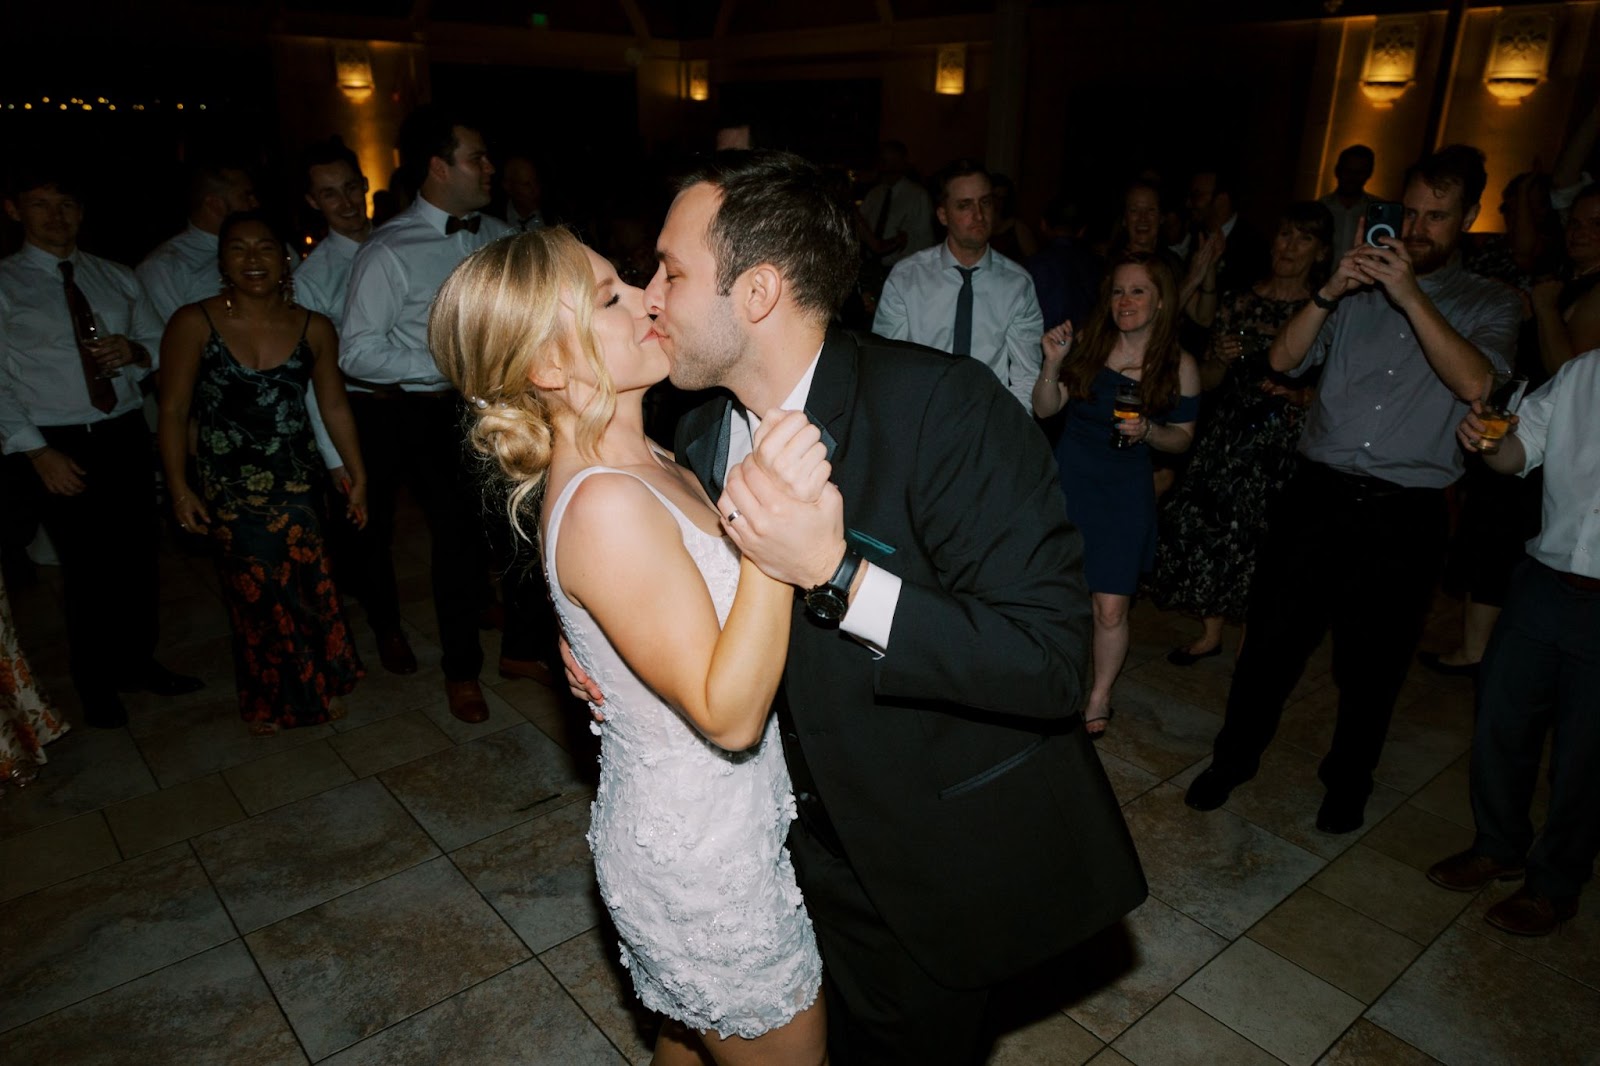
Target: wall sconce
{"points": [[1391, 64], [696, 80], [1519, 54], [352, 70], [950, 73]]}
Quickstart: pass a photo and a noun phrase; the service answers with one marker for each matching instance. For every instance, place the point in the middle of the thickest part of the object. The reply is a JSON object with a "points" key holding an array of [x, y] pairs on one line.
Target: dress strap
{"points": [[202, 306], [306, 325]]}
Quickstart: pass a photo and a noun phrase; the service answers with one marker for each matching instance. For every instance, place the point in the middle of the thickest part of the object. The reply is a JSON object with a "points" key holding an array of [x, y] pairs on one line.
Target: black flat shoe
{"points": [[1431, 660], [1341, 814], [1103, 722], [1211, 789], [1185, 657]]}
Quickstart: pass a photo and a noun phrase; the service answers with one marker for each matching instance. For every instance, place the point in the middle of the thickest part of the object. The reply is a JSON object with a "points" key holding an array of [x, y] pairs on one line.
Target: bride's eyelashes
{"points": [[615, 297]]}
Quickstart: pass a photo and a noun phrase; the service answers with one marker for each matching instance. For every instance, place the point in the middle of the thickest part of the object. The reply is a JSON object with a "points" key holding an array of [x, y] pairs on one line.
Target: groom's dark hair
{"points": [[781, 209]]}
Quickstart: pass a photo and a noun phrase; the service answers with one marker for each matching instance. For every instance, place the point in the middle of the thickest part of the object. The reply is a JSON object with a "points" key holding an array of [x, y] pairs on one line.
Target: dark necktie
{"points": [[469, 224], [961, 344], [101, 394], [883, 211]]}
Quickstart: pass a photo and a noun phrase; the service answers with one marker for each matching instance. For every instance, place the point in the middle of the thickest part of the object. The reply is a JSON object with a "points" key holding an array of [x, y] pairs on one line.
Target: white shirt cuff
{"points": [[871, 613]]}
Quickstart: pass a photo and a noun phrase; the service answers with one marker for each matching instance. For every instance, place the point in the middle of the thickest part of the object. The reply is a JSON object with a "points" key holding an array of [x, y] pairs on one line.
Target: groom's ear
{"points": [[760, 288]]}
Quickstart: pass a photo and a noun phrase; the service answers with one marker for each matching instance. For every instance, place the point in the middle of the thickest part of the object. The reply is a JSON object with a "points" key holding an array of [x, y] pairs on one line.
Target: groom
{"points": [[955, 826]]}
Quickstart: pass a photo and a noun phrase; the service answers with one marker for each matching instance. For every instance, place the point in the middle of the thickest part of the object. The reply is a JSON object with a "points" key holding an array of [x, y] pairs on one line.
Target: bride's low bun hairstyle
{"points": [[513, 309]]}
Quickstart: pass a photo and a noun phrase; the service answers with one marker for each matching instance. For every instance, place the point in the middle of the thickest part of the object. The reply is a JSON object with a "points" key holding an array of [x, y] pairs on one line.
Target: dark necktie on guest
{"points": [[101, 394], [961, 344], [469, 224]]}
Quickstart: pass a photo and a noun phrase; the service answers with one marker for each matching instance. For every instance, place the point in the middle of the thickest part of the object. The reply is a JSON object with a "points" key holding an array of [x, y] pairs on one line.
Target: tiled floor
{"points": [[404, 888]]}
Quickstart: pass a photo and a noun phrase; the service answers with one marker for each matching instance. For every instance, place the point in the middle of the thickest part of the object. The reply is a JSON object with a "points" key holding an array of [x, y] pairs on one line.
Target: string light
{"points": [[74, 103]]}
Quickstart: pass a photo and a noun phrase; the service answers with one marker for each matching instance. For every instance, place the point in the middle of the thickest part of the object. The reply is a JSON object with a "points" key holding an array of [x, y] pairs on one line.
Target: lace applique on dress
{"points": [[688, 838]]}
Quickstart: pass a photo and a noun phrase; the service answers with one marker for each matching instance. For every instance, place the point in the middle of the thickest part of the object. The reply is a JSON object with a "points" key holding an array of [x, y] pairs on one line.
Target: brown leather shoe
{"points": [[1469, 871], [466, 701], [1526, 913], [395, 653], [531, 669]]}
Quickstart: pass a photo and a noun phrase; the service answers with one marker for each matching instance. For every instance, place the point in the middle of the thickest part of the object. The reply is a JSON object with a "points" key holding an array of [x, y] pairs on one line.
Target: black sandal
{"points": [[1111, 712]]}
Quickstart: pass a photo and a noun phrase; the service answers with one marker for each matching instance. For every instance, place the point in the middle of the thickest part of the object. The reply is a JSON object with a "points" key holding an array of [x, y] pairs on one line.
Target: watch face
{"points": [[827, 603]]}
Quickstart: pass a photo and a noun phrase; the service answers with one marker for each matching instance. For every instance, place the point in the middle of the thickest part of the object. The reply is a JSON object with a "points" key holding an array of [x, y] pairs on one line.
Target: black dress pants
{"points": [[1357, 555], [363, 558], [1541, 673], [106, 538], [417, 439], [883, 1008]]}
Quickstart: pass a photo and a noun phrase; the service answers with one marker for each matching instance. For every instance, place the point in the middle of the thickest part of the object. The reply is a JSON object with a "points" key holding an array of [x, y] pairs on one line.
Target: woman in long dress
{"points": [[28, 721], [241, 362], [688, 642], [1131, 342]]}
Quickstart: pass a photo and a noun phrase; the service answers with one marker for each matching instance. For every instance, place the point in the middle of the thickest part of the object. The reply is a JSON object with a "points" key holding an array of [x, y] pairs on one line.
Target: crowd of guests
{"points": [[1251, 429]]}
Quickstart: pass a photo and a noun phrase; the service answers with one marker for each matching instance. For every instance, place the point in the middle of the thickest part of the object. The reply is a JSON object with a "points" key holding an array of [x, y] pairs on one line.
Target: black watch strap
{"points": [[1322, 301]]}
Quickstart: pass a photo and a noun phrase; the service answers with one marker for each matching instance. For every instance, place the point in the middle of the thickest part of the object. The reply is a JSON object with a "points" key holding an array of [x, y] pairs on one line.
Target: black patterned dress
{"points": [[292, 650], [1212, 524]]}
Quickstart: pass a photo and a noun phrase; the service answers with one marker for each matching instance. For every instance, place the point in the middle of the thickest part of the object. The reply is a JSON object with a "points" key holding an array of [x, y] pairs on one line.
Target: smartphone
{"points": [[1384, 219]]}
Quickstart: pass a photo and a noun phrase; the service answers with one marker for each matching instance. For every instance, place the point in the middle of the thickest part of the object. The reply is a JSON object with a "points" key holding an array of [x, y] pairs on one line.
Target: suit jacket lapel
{"points": [[833, 391], [702, 443]]}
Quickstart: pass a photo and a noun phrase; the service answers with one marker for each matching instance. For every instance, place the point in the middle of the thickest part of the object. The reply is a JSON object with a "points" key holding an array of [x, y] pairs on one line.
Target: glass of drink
{"points": [[1505, 396], [1128, 406], [95, 334]]}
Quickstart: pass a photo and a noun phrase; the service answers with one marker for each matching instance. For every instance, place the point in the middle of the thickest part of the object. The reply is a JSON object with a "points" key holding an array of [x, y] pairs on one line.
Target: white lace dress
{"points": [[688, 838]]}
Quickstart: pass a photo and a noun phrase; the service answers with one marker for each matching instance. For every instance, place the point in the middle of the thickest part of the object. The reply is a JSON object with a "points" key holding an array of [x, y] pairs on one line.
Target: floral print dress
{"points": [[1212, 524], [27, 720], [292, 648]]}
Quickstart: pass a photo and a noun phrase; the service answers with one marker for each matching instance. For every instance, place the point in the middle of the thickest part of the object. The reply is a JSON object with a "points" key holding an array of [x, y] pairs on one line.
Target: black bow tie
{"points": [[469, 224]]}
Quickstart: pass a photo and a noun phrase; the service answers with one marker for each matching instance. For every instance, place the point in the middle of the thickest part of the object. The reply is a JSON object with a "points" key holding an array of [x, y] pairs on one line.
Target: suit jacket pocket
{"points": [[999, 769]]}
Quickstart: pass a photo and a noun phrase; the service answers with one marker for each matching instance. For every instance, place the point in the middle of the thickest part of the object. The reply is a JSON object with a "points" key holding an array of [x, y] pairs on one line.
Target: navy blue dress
{"points": [[1110, 493]]}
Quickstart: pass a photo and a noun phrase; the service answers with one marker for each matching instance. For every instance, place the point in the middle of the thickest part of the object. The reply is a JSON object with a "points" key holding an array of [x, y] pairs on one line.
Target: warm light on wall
{"points": [[352, 70], [1391, 64], [950, 73], [697, 80], [1519, 54]]}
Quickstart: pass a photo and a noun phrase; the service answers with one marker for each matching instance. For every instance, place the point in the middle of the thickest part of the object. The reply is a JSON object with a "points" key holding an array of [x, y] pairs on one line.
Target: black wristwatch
{"points": [[829, 601], [1322, 301]]}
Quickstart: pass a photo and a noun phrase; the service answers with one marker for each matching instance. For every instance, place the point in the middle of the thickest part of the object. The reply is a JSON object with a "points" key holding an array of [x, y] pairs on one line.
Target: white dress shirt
{"points": [[320, 285], [1557, 426], [180, 270], [919, 304], [910, 212], [392, 284], [871, 612], [41, 373], [524, 225]]}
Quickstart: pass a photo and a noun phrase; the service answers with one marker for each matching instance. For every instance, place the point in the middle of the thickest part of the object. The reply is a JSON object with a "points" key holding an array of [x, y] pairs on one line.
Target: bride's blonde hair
{"points": [[510, 310]]}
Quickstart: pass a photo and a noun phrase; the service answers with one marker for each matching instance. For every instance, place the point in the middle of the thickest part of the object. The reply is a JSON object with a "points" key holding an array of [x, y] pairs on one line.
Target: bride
{"points": [[687, 641]]}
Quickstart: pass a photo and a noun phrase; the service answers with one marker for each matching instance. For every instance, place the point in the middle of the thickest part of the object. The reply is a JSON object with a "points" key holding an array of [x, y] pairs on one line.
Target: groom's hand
{"points": [[788, 448], [799, 543]]}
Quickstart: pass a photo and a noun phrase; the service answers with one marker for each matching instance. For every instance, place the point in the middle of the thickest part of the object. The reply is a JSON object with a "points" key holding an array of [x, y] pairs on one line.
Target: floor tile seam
{"points": [[420, 1010], [283, 1013], [1202, 1010], [346, 892], [1516, 943], [1387, 925], [248, 816], [1365, 1004], [592, 1020], [1525, 957], [122, 857], [1179, 993]]}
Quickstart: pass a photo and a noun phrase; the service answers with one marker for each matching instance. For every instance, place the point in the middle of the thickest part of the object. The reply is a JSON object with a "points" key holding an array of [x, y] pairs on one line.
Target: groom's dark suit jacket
{"points": [[955, 769]]}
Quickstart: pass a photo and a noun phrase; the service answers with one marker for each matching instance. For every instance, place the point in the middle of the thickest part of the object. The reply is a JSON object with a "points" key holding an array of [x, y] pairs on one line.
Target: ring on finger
{"points": [[733, 516]]}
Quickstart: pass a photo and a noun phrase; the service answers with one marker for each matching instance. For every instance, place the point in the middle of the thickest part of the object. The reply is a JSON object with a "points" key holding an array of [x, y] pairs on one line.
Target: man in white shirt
{"points": [[1541, 671], [524, 194], [897, 214], [1348, 201], [384, 348], [183, 269], [71, 360], [960, 296], [336, 189]]}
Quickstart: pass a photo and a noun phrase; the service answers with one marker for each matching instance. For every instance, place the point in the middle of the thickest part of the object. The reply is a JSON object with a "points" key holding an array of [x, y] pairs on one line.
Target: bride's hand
{"points": [[789, 450]]}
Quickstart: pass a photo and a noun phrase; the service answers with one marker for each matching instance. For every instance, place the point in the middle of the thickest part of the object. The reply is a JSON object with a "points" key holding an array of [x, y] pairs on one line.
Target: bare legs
{"points": [[1110, 650], [802, 1042], [1209, 638], [1477, 622]]}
